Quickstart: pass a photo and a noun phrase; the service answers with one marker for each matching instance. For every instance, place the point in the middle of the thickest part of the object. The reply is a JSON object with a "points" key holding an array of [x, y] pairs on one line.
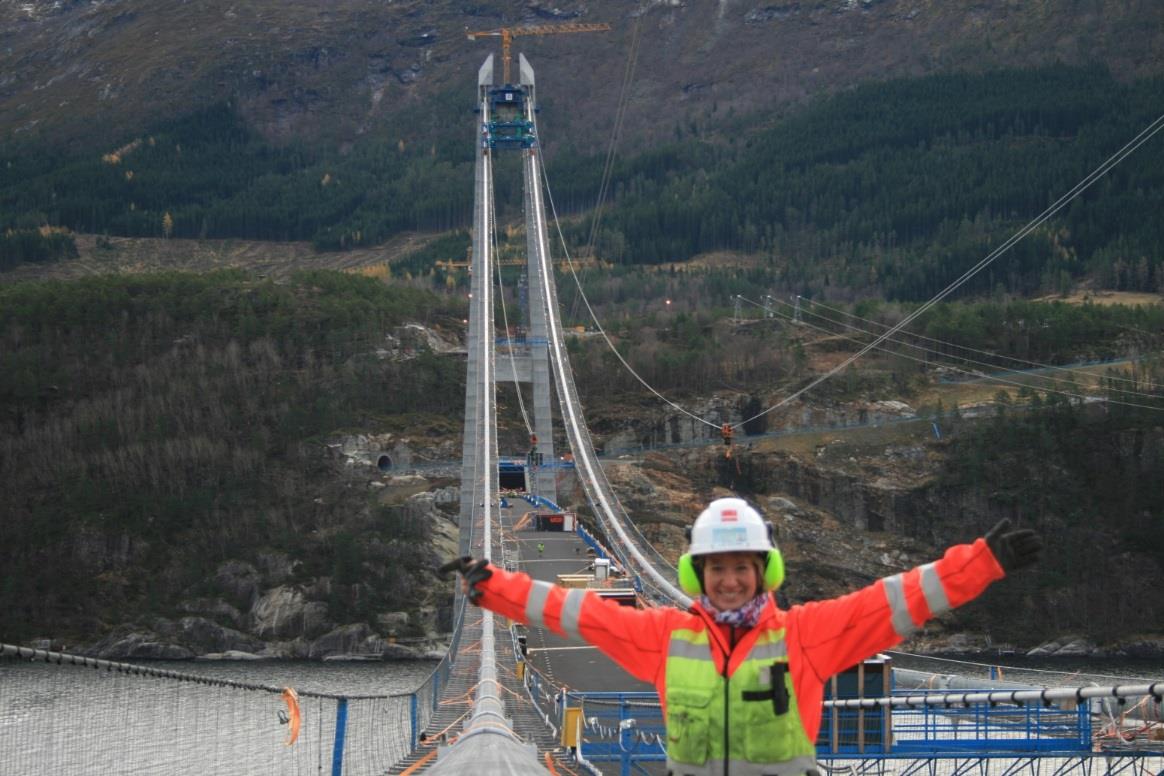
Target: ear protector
{"points": [[691, 579]]}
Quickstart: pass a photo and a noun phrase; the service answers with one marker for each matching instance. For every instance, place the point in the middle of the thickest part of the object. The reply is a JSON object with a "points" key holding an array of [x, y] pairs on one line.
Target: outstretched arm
{"points": [[635, 639], [835, 634]]}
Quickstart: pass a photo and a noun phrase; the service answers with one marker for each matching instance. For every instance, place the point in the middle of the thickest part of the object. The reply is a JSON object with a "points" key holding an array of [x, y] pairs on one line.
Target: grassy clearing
{"points": [[134, 255], [1106, 298], [898, 433]]}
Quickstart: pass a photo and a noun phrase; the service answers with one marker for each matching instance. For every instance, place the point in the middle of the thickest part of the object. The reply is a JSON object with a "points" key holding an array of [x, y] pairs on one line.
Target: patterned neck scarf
{"points": [[745, 617]]}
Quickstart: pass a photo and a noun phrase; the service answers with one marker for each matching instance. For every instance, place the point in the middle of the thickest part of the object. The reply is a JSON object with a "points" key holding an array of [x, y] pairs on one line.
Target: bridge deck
{"points": [[565, 663]]}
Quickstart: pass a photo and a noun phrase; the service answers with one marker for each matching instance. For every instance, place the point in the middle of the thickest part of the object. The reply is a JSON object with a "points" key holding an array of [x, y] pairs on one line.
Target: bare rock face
{"points": [[277, 567], [239, 582], [353, 639], [445, 533], [213, 608], [202, 636], [392, 622], [1141, 647], [284, 613], [167, 639], [132, 644], [295, 649]]}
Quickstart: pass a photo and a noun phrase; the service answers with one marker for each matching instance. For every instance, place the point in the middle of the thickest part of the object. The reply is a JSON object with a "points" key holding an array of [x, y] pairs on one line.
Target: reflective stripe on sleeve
{"points": [[571, 611], [935, 593], [898, 609], [535, 605]]}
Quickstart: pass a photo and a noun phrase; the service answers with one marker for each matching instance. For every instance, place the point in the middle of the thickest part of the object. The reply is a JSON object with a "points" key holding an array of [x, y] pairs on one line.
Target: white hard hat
{"points": [[730, 525]]}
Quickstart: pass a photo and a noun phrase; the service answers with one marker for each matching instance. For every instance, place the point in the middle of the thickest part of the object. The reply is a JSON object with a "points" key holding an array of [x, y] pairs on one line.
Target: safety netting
{"points": [[63, 714]]}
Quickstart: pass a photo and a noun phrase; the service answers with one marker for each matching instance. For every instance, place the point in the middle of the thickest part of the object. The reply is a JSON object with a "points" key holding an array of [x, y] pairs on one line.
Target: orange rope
{"points": [[464, 698], [416, 766], [550, 765], [447, 728], [560, 764]]}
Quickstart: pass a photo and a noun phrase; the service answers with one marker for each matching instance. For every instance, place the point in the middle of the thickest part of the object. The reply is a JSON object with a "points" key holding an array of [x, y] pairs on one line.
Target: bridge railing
{"points": [[984, 727], [69, 714], [627, 728], [620, 727]]}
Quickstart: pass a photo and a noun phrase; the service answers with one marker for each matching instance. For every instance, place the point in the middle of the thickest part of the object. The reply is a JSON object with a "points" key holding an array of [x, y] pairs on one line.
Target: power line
{"points": [[1143, 137], [946, 343], [612, 147], [1146, 134], [1069, 381], [993, 379]]}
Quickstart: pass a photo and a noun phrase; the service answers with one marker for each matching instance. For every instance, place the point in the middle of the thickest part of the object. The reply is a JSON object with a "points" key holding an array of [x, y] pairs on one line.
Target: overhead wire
{"points": [[993, 379], [937, 353], [504, 313], [1144, 136], [612, 147], [608, 166], [1089, 180], [598, 324], [949, 344], [616, 131], [641, 543], [1131, 146]]}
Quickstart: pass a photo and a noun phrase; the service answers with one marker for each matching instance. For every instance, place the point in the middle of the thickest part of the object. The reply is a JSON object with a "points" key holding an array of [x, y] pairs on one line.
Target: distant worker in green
{"points": [[741, 679], [541, 548]]}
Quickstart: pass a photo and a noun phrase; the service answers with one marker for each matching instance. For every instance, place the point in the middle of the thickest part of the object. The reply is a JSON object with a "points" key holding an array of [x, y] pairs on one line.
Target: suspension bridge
{"points": [[513, 700]]}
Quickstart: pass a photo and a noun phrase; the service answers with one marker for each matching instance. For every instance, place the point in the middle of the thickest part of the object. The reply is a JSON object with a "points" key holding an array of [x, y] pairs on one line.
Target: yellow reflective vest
{"points": [[744, 723]]}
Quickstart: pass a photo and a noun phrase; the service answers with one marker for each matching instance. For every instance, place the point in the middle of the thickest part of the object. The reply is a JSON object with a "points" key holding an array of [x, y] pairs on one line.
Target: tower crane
{"points": [[507, 34]]}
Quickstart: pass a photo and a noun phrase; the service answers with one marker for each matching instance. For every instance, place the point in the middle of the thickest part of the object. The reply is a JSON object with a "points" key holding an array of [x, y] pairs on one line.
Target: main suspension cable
{"points": [[594, 317], [504, 313], [1131, 146]]}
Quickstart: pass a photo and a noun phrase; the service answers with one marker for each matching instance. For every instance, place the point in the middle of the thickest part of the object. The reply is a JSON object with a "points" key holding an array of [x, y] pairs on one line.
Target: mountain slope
{"points": [[101, 71]]}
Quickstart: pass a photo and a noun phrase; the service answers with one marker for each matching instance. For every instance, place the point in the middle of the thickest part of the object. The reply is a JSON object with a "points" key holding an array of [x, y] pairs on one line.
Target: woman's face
{"points": [[730, 579]]}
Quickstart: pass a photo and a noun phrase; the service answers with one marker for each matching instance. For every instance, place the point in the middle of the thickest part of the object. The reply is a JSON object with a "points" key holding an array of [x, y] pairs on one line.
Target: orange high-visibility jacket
{"points": [[822, 637]]}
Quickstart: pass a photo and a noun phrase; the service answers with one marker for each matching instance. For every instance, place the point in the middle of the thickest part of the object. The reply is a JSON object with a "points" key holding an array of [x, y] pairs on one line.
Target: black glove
{"points": [[1013, 549], [473, 571]]}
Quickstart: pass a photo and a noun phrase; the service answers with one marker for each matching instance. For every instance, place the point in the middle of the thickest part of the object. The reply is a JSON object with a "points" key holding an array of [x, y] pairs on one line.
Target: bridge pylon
{"points": [[509, 124]]}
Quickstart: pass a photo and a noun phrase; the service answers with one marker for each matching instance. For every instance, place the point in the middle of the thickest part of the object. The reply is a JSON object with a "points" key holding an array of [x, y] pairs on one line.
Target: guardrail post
{"points": [[341, 724], [412, 718], [436, 689], [625, 737]]}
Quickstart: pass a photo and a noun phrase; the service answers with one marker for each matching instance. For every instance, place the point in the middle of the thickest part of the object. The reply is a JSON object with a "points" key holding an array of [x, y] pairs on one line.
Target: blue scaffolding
{"points": [[627, 728]]}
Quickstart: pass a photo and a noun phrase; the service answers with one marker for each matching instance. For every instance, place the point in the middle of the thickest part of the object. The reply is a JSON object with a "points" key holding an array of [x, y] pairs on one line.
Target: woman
{"points": [[740, 680]]}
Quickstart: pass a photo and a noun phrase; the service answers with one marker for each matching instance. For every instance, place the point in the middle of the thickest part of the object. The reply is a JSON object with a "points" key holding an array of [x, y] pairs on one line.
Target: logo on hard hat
{"points": [[729, 516], [725, 539]]}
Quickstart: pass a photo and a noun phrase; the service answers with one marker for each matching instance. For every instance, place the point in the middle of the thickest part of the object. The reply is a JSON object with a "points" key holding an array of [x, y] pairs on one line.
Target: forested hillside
{"points": [[154, 427], [1089, 480], [892, 188], [158, 427], [697, 353], [902, 186]]}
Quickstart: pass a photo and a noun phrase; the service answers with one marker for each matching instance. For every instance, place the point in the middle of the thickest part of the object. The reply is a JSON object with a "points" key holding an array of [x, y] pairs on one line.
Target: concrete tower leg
{"points": [[474, 400], [544, 478]]}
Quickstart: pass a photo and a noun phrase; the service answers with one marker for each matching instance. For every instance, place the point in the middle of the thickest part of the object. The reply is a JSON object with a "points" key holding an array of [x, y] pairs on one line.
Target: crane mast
{"points": [[507, 34]]}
